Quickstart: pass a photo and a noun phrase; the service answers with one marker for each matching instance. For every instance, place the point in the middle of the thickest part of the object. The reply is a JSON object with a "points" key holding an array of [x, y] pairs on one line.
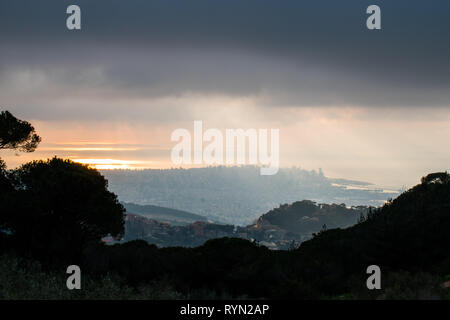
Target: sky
{"points": [[371, 105]]}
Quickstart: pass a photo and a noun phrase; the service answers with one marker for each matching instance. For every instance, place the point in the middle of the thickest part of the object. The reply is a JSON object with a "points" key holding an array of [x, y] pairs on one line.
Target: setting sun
{"points": [[107, 163]]}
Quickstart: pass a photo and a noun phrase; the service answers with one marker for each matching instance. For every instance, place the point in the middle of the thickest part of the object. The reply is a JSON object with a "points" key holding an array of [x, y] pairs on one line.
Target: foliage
{"points": [[14, 134], [17, 134], [58, 207], [400, 285], [24, 279], [304, 217], [407, 238]]}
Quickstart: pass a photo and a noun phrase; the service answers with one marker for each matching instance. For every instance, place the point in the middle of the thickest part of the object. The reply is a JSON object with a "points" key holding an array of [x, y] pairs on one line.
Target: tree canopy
{"points": [[58, 207], [53, 208], [17, 134]]}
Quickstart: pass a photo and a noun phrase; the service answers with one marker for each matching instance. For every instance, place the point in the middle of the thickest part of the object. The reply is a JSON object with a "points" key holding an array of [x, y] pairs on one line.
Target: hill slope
{"points": [[408, 238], [236, 195], [305, 217], [410, 233], [280, 228], [163, 214]]}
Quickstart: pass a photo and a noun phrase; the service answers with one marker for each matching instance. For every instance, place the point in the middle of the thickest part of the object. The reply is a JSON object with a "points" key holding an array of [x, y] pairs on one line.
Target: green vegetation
{"points": [[407, 238], [305, 217], [24, 279], [55, 208]]}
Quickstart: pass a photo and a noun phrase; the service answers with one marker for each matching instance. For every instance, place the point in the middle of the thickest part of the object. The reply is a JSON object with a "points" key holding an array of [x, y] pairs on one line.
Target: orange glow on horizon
{"points": [[90, 149], [109, 163]]}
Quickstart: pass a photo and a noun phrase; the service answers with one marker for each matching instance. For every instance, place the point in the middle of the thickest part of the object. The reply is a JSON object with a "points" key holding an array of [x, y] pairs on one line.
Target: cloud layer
{"points": [[369, 105], [282, 53]]}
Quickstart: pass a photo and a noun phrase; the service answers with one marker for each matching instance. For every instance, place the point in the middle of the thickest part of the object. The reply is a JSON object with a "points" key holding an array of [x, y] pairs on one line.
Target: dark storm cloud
{"points": [[287, 52]]}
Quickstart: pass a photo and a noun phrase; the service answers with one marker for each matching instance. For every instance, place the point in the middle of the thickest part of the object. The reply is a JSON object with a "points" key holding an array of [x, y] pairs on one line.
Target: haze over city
{"points": [[358, 104]]}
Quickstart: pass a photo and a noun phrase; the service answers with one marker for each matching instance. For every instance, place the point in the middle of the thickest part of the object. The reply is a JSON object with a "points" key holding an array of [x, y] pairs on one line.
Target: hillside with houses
{"points": [[282, 228]]}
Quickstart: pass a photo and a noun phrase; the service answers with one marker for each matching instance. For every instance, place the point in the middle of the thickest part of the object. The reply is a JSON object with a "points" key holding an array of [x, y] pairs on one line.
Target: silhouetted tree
{"points": [[4, 183], [59, 207], [437, 177], [362, 218], [17, 134], [5, 188]]}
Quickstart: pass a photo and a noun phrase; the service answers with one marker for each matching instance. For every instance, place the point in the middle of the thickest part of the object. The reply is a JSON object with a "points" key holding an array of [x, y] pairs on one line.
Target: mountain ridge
{"points": [[164, 214]]}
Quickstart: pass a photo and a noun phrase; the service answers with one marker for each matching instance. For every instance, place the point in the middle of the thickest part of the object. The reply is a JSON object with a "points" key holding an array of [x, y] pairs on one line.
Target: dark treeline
{"points": [[55, 213], [408, 238], [409, 234]]}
